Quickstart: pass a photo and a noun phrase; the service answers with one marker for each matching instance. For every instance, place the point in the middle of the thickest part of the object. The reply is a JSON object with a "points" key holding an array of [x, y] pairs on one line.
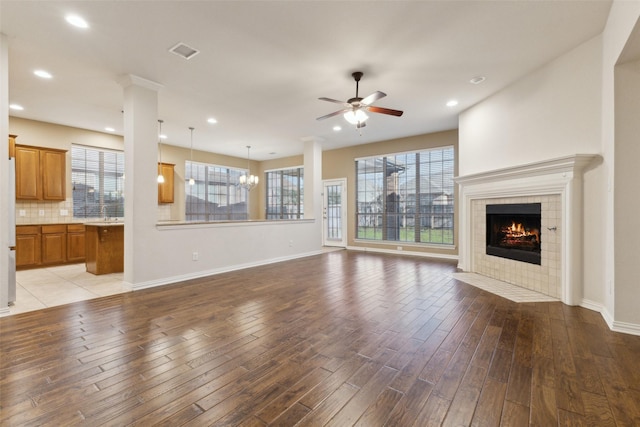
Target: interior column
{"points": [[141, 171]]}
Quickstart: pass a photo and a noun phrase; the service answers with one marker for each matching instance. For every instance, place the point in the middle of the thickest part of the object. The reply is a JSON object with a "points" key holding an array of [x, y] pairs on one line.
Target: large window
{"points": [[97, 177], [216, 194], [406, 197], [285, 190]]}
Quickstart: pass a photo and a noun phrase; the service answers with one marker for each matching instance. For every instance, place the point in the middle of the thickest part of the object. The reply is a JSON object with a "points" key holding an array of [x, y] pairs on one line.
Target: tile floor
{"points": [[503, 289], [48, 287]]}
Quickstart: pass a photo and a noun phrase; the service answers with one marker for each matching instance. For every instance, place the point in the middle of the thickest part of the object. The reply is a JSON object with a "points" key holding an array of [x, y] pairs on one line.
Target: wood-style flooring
{"points": [[343, 338]]}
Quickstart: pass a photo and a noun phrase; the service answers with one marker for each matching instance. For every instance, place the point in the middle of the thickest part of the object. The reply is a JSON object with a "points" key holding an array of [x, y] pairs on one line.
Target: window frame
{"points": [[280, 213], [227, 213], [105, 206], [412, 216]]}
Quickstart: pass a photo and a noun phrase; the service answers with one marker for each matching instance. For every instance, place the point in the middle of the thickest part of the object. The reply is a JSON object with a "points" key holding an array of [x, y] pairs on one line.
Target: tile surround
{"points": [[544, 278]]}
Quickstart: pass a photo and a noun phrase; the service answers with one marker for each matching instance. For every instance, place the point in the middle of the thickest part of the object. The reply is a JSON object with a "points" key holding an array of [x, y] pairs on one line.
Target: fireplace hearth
{"points": [[513, 231]]}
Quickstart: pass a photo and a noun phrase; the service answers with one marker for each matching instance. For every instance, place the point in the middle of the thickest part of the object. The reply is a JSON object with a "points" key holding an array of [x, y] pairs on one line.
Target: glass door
{"points": [[334, 213]]}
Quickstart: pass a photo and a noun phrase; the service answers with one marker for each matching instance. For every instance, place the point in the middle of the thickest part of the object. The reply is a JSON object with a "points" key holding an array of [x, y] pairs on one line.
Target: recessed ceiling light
{"points": [[43, 74], [212, 120], [163, 136], [337, 128], [77, 21], [109, 129], [16, 107], [477, 80], [452, 103]]}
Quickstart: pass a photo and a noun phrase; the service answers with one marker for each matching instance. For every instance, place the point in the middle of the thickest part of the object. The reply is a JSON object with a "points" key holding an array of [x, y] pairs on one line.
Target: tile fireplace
{"points": [[547, 234]]}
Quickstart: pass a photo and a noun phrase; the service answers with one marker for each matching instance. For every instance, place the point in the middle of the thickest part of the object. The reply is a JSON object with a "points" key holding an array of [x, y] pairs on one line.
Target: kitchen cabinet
{"points": [[49, 244], [75, 242], [28, 252], [165, 189], [105, 248], [40, 173], [54, 244], [12, 146]]}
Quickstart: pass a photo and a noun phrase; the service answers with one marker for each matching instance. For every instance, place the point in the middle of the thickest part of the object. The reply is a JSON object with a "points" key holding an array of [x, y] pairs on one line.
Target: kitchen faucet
{"points": [[103, 211]]}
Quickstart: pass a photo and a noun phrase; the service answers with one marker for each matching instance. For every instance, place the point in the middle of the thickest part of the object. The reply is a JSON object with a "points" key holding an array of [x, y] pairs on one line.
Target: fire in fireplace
{"points": [[513, 231]]}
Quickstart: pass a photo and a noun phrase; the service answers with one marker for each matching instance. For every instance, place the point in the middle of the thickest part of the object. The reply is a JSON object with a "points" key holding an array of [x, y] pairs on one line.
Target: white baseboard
{"points": [[402, 252], [614, 325]]}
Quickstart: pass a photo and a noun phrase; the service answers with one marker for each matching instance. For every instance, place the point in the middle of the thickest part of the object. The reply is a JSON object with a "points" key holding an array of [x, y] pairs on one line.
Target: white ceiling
{"points": [[263, 64]]}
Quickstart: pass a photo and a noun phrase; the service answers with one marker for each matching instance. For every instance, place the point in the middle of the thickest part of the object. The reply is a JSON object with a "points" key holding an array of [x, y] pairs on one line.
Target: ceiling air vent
{"points": [[184, 51]]}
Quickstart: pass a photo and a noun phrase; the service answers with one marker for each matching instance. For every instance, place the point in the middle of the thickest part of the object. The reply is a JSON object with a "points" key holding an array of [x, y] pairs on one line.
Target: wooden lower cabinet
{"points": [[50, 244], [28, 241], [105, 249], [75, 243], [54, 244]]}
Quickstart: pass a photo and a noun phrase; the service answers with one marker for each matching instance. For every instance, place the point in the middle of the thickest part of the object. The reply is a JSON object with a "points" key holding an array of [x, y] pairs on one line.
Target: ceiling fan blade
{"points": [[335, 113], [388, 111], [333, 100], [373, 98]]}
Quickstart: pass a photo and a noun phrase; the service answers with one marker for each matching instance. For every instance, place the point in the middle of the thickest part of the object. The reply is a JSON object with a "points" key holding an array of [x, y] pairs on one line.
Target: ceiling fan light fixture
{"points": [[355, 116]]}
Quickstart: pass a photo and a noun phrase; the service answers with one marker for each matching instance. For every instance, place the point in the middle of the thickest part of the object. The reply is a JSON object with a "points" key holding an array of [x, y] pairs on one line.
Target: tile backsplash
{"points": [[38, 212]]}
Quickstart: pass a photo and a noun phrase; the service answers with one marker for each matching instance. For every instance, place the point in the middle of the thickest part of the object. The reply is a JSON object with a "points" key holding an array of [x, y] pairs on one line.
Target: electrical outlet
{"points": [[194, 256], [399, 248], [22, 212], [64, 212], [41, 212]]}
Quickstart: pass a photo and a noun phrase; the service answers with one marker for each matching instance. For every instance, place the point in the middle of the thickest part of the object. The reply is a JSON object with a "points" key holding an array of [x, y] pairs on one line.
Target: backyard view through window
{"points": [[406, 197], [216, 194], [97, 176], [285, 190]]}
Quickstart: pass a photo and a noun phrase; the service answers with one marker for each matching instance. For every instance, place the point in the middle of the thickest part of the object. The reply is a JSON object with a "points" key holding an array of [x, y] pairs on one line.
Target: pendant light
{"points": [[247, 180], [191, 180], [160, 176]]}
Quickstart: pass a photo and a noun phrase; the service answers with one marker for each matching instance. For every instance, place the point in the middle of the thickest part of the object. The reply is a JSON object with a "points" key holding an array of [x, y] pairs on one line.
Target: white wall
{"points": [[551, 113], [574, 105]]}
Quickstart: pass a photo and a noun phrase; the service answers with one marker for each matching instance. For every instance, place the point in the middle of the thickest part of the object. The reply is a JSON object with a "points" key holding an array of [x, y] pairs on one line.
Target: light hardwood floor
{"points": [[343, 338]]}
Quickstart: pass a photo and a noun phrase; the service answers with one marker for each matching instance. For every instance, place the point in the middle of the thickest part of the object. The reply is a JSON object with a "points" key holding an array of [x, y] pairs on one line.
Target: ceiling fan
{"points": [[354, 109]]}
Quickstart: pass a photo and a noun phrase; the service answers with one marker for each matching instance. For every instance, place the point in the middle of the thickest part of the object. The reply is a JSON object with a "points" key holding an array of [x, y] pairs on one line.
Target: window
{"points": [[406, 197], [285, 191], [97, 176], [216, 195]]}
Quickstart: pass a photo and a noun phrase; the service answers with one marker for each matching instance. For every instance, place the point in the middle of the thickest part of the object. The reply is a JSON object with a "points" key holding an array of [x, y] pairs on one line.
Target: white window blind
{"points": [[216, 194], [97, 177]]}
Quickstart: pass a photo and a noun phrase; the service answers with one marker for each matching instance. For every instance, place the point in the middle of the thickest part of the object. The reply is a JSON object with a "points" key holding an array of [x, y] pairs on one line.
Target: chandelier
{"points": [[247, 180]]}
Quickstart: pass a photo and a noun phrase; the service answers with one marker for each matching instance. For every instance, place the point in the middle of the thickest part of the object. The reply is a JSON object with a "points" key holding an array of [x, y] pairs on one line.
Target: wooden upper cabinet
{"points": [[165, 190], [28, 182], [12, 146], [53, 172], [40, 173]]}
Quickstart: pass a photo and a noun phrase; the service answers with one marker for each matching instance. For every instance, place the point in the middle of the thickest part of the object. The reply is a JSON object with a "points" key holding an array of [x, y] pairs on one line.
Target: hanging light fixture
{"points": [[356, 117], [160, 176], [247, 180], [191, 180]]}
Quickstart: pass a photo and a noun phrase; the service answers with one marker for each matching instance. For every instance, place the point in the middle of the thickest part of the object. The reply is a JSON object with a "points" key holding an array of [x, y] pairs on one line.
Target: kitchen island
{"points": [[104, 247]]}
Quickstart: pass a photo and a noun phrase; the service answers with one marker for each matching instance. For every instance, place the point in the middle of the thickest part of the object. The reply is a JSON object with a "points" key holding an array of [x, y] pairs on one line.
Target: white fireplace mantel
{"points": [[562, 176]]}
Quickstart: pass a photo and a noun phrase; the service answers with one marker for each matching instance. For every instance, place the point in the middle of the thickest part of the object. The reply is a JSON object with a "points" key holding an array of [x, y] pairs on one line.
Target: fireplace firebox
{"points": [[513, 231]]}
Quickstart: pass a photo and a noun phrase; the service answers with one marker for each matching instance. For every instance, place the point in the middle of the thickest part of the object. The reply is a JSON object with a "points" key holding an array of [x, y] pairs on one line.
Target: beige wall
{"points": [[340, 163]]}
